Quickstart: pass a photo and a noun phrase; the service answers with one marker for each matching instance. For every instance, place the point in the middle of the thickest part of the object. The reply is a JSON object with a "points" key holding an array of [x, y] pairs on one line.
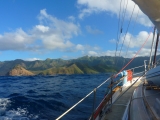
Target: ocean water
{"points": [[47, 97]]}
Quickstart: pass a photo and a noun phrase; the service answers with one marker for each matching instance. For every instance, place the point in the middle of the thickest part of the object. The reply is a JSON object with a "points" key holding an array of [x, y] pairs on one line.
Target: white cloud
{"points": [[67, 29], [42, 28], [113, 41], [130, 53], [93, 31], [17, 40], [111, 6], [92, 53], [138, 40], [86, 12], [80, 47], [54, 42], [58, 34], [135, 44], [72, 18], [52, 33], [96, 48], [32, 59]]}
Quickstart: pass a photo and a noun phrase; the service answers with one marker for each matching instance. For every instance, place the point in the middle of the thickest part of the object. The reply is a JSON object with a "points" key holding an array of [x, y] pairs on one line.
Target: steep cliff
{"points": [[19, 71]]}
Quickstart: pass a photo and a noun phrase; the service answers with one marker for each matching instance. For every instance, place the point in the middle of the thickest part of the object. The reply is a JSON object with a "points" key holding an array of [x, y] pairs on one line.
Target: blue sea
{"points": [[47, 97]]}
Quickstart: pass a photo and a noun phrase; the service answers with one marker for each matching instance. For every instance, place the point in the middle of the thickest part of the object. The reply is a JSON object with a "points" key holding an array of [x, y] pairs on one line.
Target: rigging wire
{"points": [[126, 32], [134, 55], [131, 36], [124, 13], [118, 30], [123, 16]]}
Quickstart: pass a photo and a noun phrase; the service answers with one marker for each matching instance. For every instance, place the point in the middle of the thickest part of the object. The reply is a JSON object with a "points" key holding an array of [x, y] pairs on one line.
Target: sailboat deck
{"points": [[118, 108]]}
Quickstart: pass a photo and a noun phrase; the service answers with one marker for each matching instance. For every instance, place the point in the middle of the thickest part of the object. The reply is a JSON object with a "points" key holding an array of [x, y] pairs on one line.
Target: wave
{"points": [[47, 97], [6, 114]]}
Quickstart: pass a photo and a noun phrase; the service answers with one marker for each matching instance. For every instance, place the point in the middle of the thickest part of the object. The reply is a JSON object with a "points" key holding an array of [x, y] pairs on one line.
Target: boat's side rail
{"points": [[94, 92], [136, 67], [135, 73], [138, 74]]}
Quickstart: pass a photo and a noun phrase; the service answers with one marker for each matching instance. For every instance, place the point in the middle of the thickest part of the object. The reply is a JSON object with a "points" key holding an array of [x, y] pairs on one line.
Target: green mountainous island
{"points": [[82, 65]]}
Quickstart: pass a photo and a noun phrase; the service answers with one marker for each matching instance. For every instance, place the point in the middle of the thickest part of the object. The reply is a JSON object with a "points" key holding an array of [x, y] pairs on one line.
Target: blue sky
{"points": [[67, 29]]}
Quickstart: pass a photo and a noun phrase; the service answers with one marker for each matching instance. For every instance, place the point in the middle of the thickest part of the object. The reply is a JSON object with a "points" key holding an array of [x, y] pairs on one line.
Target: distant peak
{"points": [[48, 59], [18, 60]]}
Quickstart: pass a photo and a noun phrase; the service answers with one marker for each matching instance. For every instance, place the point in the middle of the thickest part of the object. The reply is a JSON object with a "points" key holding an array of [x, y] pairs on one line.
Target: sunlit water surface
{"points": [[47, 97]]}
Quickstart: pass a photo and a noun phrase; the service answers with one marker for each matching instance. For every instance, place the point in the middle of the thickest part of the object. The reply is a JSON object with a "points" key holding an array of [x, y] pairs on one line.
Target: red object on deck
{"points": [[129, 75]]}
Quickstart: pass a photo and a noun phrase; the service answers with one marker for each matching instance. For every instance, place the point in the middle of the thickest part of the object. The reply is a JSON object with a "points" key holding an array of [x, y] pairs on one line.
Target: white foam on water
{"points": [[15, 114], [4, 102]]}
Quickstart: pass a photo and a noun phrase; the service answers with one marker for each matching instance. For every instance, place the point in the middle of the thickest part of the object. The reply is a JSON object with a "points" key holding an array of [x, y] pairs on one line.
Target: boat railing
{"points": [[136, 67], [95, 90]]}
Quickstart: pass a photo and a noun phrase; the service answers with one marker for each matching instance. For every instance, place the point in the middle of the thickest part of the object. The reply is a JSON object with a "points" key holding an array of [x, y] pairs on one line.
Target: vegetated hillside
{"points": [[103, 60], [82, 65], [38, 65], [78, 68], [45, 64], [19, 71], [73, 69]]}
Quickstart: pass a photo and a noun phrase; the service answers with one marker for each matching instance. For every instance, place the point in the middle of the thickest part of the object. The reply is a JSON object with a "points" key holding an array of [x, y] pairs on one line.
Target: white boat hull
{"points": [[153, 75]]}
